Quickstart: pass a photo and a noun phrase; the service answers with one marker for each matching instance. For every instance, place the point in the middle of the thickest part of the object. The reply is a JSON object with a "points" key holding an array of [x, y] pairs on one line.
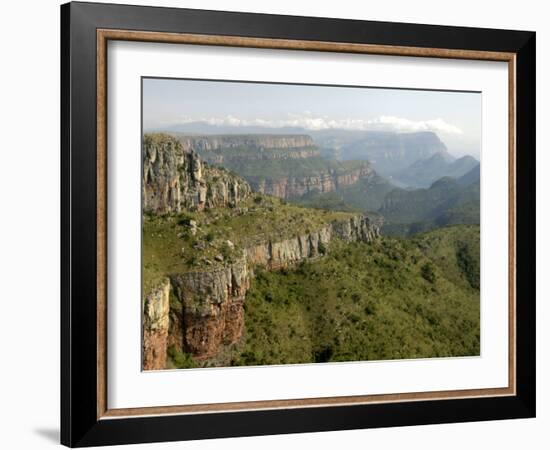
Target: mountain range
{"points": [[398, 156], [423, 172], [447, 201]]}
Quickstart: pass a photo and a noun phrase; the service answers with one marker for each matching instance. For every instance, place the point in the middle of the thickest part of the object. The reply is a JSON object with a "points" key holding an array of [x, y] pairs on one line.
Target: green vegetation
{"points": [[455, 250], [179, 360], [446, 202], [392, 299]]}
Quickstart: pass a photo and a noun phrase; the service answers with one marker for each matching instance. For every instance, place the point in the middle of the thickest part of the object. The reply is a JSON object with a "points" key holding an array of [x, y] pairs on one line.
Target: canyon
{"points": [[285, 166], [251, 255]]}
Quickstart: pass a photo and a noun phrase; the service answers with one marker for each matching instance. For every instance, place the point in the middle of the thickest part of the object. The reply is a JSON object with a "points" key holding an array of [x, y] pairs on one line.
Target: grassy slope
{"points": [[393, 299], [169, 246]]}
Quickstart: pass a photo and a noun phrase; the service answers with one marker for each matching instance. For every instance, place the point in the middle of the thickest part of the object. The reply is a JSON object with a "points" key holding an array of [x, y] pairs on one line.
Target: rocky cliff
{"points": [[252, 141], [209, 308], [234, 150], [294, 187], [285, 166], [156, 309], [175, 179], [280, 254]]}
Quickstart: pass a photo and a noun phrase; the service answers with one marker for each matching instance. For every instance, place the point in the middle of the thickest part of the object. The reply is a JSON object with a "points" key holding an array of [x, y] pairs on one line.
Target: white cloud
{"points": [[310, 122]]}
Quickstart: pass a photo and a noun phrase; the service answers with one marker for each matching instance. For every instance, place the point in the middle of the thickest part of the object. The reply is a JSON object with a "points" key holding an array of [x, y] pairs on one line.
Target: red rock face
{"points": [[234, 323], [212, 307], [175, 331], [154, 345], [203, 336]]}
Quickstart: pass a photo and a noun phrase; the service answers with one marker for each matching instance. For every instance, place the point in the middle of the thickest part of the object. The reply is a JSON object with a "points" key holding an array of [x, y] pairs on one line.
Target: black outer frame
{"points": [[79, 424]]}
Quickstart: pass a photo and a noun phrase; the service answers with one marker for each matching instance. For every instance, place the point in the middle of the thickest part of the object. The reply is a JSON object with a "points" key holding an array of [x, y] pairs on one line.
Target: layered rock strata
{"points": [[175, 179], [280, 254], [294, 187], [212, 311], [235, 151], [251, 141]]}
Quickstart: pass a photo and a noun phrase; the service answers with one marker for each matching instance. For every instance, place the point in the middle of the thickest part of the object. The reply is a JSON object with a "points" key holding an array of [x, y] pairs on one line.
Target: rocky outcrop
{"points": [[294, 187], [252, 141], [175, 179], [280, 254], [156, 309], [233, 150], [212, 305]]}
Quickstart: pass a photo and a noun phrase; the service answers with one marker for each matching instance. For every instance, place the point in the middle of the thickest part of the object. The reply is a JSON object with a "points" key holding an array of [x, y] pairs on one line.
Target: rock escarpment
{"points": [[295, 187], [175, 179], [248, 141], [209, 308], [285, 166], [280, 254]]}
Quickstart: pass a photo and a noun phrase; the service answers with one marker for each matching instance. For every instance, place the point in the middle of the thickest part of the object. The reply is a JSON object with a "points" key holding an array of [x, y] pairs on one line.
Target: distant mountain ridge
{"points": [[470, 177], [447, 201], [424, 172], [389, 153], [431, 189]]}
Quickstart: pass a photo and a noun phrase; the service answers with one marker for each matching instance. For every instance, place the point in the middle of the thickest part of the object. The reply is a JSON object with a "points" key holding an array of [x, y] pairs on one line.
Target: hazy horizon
{"points": [[454, 116]]}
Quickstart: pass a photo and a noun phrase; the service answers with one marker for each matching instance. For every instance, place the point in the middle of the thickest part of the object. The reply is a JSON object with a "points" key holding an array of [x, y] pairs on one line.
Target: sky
{"points": [[454, 116]]}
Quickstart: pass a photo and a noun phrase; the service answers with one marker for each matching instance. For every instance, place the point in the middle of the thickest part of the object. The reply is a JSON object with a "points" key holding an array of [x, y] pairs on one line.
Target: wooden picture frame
{"points": [[86, 418]]}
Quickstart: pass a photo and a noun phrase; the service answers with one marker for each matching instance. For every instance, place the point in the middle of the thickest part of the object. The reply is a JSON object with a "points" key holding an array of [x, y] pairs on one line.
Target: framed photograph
{"points": [[277, 224]]}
